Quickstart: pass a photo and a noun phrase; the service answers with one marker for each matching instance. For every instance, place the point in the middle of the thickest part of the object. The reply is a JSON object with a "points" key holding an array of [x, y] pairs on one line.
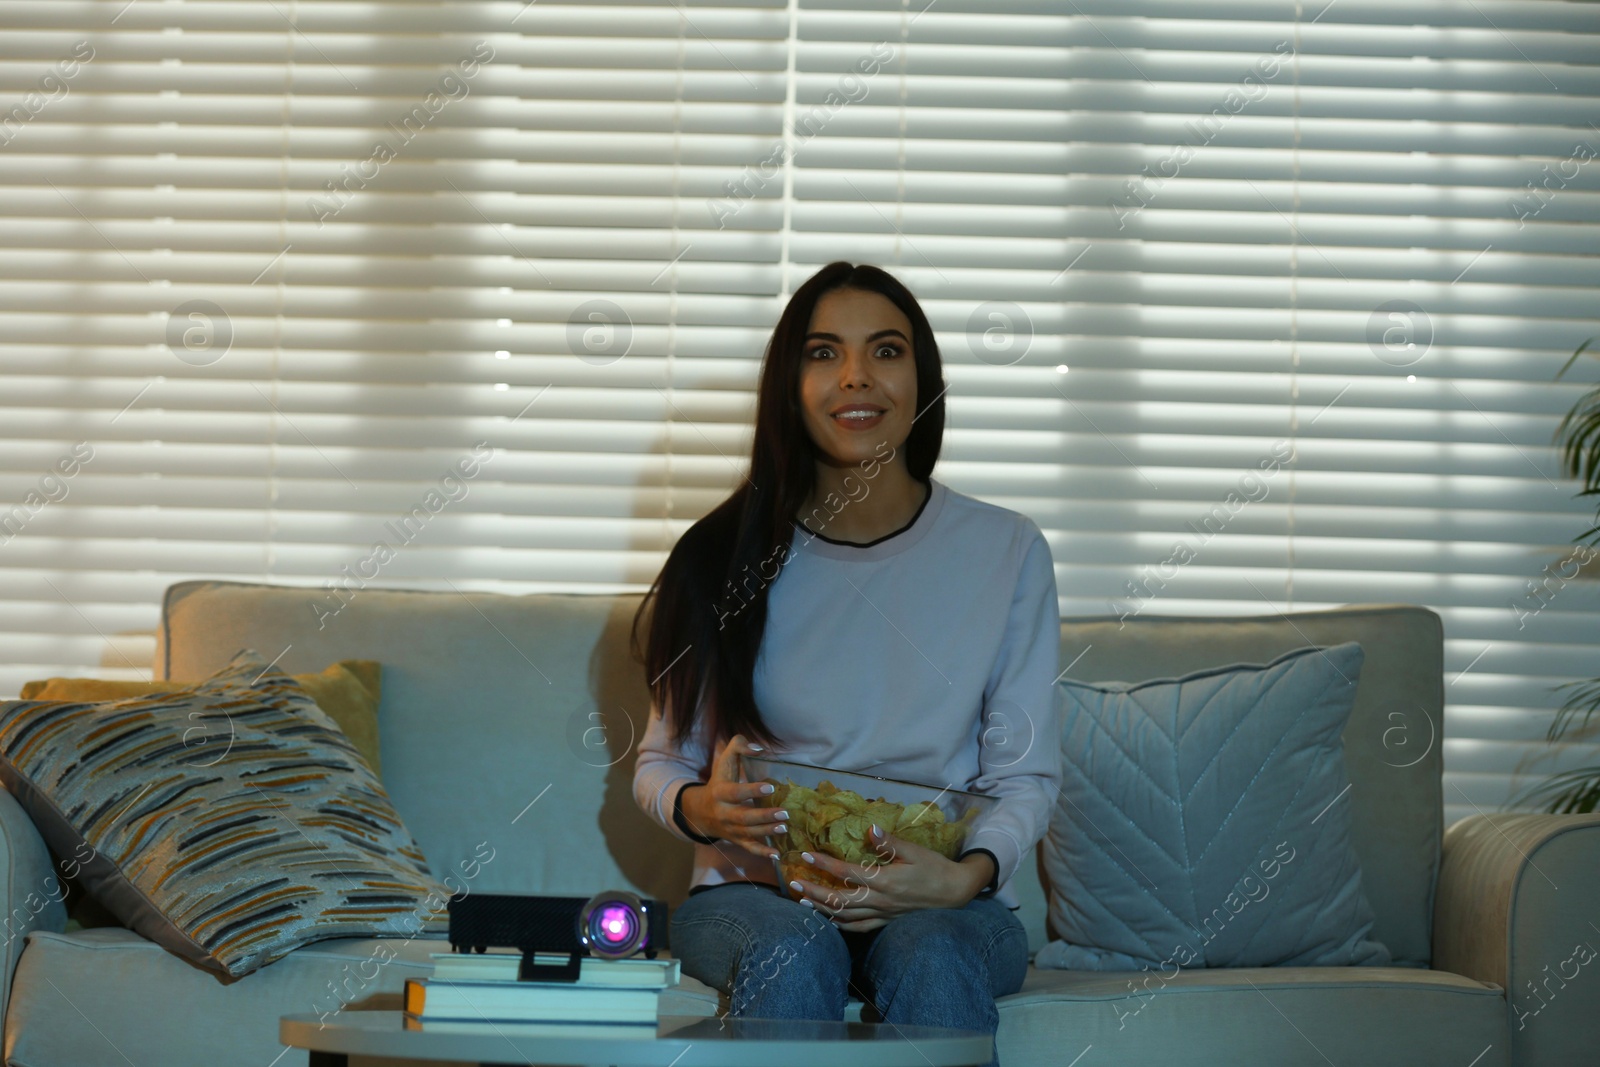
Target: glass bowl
{"points": [[832, 810]]}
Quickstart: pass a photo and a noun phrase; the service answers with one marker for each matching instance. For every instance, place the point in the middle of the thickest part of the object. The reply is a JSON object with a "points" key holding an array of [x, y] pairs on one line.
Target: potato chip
{"points": [[923, 812], [799, 838], [848, 836], [817, 818], [798, 796], [837, 822], [850, 801], [883, 814]]}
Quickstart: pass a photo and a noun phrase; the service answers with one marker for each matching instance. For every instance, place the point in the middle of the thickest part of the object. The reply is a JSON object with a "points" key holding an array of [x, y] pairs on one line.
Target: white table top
{"points": [[700, 1041]]}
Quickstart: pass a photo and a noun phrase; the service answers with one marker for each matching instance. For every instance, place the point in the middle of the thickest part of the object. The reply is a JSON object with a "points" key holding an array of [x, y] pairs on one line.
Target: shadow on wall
{"points": [[658, 863]]}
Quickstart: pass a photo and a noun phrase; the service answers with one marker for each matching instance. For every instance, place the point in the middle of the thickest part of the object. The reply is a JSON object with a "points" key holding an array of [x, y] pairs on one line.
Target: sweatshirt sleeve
{"points": [[662, 770], [1019, 745]]}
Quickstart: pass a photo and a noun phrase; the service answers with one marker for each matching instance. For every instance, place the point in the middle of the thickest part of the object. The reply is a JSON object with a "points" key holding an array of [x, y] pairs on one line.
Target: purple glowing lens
{"points": [[616, 924]]}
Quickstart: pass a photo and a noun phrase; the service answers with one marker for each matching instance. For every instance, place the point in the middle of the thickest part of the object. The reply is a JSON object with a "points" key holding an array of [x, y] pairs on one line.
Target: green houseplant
{"points": [[1576, 790]]}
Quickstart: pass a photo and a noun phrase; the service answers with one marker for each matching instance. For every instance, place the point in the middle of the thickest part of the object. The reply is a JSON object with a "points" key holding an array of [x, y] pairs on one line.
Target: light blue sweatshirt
{"points": [[929, 655]]}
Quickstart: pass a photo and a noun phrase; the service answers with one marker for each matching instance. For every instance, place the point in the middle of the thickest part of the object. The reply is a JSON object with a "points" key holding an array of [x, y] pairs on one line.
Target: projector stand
{"points": [[530, 971]]}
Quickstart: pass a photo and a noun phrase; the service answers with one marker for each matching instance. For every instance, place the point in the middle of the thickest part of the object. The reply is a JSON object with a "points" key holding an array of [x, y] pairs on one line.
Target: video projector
{"points": [[612, 924]]}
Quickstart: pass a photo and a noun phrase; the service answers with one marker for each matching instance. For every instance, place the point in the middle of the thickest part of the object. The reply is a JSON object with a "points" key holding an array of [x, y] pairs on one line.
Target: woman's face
{"points": [[857, 353]]}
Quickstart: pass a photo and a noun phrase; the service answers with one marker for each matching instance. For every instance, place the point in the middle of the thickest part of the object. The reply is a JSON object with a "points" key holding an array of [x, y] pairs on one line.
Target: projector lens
{"points": [[616, 924], [612, 924]]}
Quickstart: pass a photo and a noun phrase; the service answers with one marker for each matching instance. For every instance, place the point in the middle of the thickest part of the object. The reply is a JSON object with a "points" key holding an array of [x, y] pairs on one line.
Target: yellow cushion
{"points": [[348, 691]]}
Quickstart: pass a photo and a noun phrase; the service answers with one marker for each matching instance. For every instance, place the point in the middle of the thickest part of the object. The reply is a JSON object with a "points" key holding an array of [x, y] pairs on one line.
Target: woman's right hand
{"points": [[725, 808]]}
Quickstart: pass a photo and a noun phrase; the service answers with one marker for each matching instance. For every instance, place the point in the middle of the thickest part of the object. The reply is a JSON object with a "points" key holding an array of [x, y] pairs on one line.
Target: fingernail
{"points": [[807, 903], [756, 748], [780, 829], [875, 831], [797, 887], [808, 857], [767, 787], [781, 815]]}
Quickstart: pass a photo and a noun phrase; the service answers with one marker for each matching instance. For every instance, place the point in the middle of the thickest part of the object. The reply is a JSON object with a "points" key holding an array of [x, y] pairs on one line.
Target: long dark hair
{"points": [[710, 600]]}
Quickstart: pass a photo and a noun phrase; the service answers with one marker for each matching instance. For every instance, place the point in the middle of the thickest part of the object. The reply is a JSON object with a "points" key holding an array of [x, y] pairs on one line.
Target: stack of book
{"points": [[483, 987]]}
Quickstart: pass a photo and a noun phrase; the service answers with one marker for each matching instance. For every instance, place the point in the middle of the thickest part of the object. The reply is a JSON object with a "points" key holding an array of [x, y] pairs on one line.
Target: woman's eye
{"points": [[817, 353]]}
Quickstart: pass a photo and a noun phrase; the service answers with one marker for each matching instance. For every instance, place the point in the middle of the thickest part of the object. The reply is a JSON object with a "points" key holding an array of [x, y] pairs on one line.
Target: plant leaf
{"points": [[1566, 793], [1575, 355]]}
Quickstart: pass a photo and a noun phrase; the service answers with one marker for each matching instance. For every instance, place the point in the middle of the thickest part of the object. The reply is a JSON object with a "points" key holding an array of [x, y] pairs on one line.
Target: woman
{"points": [[847, 610]]}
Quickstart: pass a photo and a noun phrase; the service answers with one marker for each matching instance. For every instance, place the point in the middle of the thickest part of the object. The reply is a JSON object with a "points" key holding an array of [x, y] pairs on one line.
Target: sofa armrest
{"points": [[30, 891], [1519, 906]]}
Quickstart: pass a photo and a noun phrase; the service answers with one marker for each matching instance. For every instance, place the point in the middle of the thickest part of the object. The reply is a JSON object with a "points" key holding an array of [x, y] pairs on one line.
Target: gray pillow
{"points": [[1203, 821]]}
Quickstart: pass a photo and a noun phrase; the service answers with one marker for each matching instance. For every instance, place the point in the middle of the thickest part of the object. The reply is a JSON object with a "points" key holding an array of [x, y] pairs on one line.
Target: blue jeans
{"points": [[775, 958]]}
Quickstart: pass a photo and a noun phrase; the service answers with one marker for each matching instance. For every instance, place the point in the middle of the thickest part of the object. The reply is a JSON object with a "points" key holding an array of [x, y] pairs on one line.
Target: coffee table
{"points": [[684, 1040]]}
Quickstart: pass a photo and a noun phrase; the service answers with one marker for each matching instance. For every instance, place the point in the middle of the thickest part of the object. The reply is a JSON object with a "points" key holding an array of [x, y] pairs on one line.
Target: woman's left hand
{"points": [[910, 878]]}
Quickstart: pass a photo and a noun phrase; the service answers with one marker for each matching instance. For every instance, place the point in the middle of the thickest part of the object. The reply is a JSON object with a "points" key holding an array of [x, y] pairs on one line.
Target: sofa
{"points": [[508, 728]]}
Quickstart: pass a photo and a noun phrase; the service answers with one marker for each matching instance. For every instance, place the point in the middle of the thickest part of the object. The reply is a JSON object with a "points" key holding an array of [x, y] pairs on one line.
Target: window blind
{"points": [[1252, 306]]}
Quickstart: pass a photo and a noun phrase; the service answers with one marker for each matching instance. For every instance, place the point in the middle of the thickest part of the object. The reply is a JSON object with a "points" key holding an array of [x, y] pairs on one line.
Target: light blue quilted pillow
{"points": [[1204, 821]]}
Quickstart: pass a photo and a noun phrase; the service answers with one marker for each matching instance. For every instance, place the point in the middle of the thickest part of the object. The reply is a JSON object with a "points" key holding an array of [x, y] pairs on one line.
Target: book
{"points": [[634, 972], [433, 998], [646, 1030]]}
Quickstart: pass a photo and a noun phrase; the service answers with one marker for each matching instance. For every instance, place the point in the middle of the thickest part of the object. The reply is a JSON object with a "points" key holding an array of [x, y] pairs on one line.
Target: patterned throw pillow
{"points": [[1203, 821], [349, 691], [230, 822]]}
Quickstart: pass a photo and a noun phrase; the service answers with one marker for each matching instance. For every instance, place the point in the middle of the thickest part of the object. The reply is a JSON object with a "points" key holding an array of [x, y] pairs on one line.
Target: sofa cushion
{"points": [[229, 822], [1312, 1016], [348, 691], [1200, 821], [1393, 749]]}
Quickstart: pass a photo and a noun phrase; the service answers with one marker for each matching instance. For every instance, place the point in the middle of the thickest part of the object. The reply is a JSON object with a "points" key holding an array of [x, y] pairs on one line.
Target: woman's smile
{"points": [[859, 418]]}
